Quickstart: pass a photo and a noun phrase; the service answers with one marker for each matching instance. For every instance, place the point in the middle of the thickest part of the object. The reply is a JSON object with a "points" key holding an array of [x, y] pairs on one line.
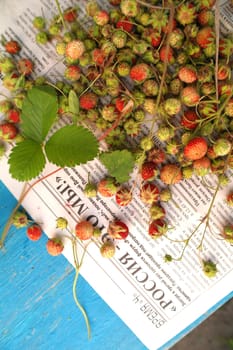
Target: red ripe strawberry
{"points": [[154, 36], [34, 232], [190, 96], [205, 37], [157, 228], [101, 18], [125, 24], [107, 187], [12, 47], [98, 57], [84, 230], [122, 102], [25, 66], [74, 49], [224, 71], [225, 88], [149, 171], [156, 155], [8, 131], [229, 199], [118, 229], [88, 101], [123, 196], [54, 246], [149, 193], [196, 148], [170, 174], [140, 72], [166, 54], [187, 74], [13, 116], [189, 119], [70, 14]]}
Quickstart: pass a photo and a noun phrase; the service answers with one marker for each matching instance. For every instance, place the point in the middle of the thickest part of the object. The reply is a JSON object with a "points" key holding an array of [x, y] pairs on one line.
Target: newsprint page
{"points": [[137, 283]]}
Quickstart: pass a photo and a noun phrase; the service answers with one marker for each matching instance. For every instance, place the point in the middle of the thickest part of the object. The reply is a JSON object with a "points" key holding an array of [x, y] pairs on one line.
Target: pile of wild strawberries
{"points": [[133, 61]]}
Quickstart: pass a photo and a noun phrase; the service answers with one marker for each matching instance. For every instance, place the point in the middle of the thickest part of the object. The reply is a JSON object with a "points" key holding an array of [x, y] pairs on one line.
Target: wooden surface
{"points": [[37, 310]]}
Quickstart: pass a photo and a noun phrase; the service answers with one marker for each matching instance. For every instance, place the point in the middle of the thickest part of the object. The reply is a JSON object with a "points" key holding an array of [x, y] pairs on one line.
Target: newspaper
{"points": [[138, 285]]}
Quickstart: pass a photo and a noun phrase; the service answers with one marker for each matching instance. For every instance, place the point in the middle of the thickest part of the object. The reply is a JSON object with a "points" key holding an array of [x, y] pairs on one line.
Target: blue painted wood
{"points": [[37, 310]]}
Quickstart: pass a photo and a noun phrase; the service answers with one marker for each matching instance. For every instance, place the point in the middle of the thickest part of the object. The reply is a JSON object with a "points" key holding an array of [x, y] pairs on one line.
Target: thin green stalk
{"points": [[61, 14]]}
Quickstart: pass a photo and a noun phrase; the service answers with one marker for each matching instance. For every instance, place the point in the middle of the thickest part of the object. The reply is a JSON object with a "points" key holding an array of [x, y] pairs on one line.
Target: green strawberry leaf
{"points": [[73, 105], [26, 160], [39, 112], [71, 145], [119, 164]]}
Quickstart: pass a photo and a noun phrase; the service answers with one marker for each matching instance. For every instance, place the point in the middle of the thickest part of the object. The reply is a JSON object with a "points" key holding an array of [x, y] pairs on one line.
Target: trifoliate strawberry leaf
{"points": [[39, 112], [71, 145], [26, 160], [73, 105], [119, 164]]}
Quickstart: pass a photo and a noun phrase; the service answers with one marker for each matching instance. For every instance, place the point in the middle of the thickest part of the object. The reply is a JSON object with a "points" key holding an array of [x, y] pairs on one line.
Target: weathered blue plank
{"points": [[37, 310]]}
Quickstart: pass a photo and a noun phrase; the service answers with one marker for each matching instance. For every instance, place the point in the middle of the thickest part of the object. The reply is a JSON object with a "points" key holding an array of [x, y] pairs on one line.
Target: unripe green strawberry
{"points": [[150, 87], [5, 106], [186, 13], [132, 127], [140, 47], [2, 149], [229, 108], [209, 268], [146, 143], [165, 133], [223, 179], [222, 147], [165, 195], [175, 86], [7, 65], [42, 37], [92, 8], [60, 48], [39, 22], [205, 74], [176, 38], [172, 106], [119, 38], [107, 249], [101, 17], [61, 223], [20, 219], [90, 190], [228, 233], [157, 211], [110, 112], [149, 105], [123, 69], [129, 8]]}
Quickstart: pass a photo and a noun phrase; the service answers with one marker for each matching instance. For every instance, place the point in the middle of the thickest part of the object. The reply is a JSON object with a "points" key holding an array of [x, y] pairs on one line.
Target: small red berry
{"points": [[149, 171], [118, 230], [196, 148], [12, 47], [88, 100], [34, 232], [84, 230], [54, 246], [157, 228]]}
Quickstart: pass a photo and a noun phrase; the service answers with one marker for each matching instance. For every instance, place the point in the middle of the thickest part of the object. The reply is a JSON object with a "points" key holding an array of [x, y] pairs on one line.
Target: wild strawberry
{"points": [[5, 106], [118, 230], [166, 54], [153, 36], [190, 96], [209, 268], [123, 69], [125, 24], [157, 228], [84, 230], [119, 39], [140, 72], [205, 37], [224, 72], [149, 171], [54, 246], [166, 28], [90, 190], [205, 17], [157, 211], [165, 195], [189, 119], [72, 73], [98, 57], [110, 112], [88, 100], [201, 166], [229, 199], [228, 233], [149, 193], [196, 148], [25, 66], [12, 47], [108, 249], [20, 219], [8, 131], [70, 14], [225, 47], [172, 106], [13, 116], [122, 102], [186, 13], [129, 8], [146, 143], [107, 187], [205, 4], [123, 196], [34, 232], [101, 18], [187, 74], [74, 49], [170, 174], [7, 65], [224, 88], [61, 223], [156, 155], [176, 38], [222, 147]]}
